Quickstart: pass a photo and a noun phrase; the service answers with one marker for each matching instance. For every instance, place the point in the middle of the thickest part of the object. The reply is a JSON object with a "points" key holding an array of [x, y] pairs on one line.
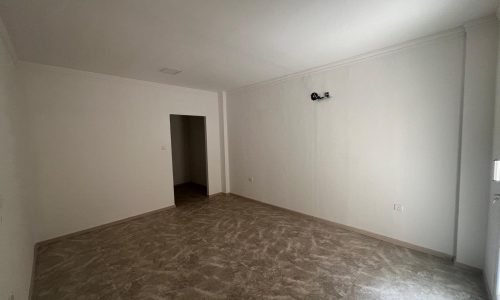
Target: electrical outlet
{"points": [[398, 207], [250, 179]]}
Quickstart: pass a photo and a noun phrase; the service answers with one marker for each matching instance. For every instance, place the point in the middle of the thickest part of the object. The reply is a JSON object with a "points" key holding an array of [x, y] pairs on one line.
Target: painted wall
{"points": [[224, 145], [188, 149], [491, 262], [16, 241], [389, 135], [479, 98], [98, 141]]}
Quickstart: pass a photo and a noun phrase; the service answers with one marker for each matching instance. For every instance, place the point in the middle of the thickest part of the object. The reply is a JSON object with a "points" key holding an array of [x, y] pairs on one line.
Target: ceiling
{"points": [[220, 44]]}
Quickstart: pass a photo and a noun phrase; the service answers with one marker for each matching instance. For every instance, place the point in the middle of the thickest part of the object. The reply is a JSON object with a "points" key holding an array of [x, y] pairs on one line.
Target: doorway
{"points": [[189, 158]]}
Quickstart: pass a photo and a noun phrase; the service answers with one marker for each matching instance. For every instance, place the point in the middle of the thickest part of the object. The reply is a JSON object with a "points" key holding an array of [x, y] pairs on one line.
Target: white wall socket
{"points": [[398, 207]]}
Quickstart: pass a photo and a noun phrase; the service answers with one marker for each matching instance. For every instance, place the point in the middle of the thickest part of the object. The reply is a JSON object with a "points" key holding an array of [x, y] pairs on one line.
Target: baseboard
{"points": [[100, 227], [467, 267], [360, 231]]}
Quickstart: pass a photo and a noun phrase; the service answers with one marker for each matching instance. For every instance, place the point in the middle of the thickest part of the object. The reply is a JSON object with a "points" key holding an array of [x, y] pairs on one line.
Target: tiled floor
{"points": [[229, 247]]}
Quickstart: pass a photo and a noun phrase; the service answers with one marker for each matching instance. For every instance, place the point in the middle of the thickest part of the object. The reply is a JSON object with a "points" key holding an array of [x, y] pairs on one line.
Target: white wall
{"points": [[16, 242], [389, 135], [493, 233], [224, 146], [98, 141], [479, 98]]}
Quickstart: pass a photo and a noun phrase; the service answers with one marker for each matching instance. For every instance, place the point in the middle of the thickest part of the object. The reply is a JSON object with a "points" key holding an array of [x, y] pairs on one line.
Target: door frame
{"points": [[207, 172]]}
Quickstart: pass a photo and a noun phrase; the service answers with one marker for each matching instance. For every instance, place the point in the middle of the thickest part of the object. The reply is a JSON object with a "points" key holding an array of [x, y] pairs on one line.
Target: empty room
{"points": [[249, 149]]}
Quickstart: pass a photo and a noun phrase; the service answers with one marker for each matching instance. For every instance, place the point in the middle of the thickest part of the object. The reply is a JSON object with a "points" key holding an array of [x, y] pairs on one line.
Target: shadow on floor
{"points": [[189, 192]]}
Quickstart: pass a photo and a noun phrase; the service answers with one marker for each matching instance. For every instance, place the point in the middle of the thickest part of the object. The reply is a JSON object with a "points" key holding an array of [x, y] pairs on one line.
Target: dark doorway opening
{"points": [[189, 158]]}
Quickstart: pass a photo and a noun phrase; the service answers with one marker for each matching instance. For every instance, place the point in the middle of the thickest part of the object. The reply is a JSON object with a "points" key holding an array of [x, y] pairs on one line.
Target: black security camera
{"points": [[315, 96]]}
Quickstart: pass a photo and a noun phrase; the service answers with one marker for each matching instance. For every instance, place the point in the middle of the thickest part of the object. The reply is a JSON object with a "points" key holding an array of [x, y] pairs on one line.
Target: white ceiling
{"points": [[220, 44]]}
